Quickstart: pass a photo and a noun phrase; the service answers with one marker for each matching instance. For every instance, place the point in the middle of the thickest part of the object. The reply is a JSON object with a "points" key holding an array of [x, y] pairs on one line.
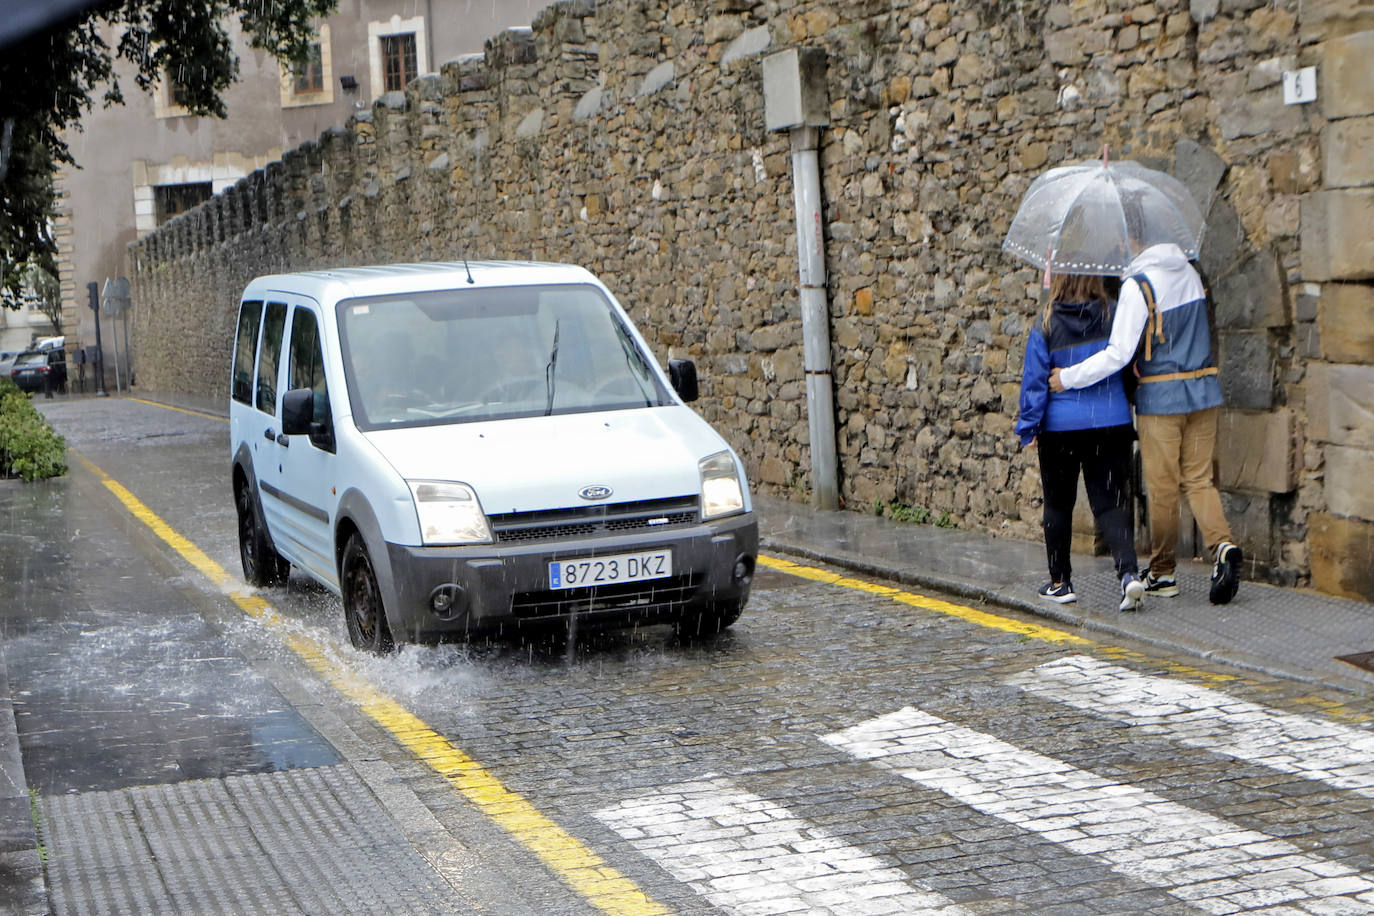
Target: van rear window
{"points": [[245, 349]]}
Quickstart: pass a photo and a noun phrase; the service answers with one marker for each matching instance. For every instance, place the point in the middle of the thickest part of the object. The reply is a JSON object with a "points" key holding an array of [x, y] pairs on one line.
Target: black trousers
{"points": [[1103, 457]]}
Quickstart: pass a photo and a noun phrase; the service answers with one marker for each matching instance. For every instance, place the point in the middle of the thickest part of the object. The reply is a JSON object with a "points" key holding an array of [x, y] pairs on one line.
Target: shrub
{"points": [[29, 448]]}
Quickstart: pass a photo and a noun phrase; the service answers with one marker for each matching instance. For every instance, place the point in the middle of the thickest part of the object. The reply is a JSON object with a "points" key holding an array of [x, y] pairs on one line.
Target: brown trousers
{"points": [[1176, 453]]}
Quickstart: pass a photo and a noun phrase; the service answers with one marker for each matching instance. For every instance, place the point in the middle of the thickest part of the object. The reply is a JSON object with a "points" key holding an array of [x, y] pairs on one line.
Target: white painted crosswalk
{"points": [[748, 855], [1212, 864], [1202, 717]]}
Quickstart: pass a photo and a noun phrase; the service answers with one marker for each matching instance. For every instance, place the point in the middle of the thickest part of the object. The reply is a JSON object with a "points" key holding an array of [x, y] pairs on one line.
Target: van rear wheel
{"points": [[362, 601], [262, 566]]}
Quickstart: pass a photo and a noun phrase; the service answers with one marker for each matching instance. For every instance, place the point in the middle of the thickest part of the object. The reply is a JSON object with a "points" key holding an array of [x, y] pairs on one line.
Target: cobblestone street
{"points": [[848, 747]]}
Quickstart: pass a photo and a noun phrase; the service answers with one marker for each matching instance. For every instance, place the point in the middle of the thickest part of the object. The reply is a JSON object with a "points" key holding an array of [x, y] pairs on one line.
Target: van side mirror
{"points": [[297, 410], [683, 374]]}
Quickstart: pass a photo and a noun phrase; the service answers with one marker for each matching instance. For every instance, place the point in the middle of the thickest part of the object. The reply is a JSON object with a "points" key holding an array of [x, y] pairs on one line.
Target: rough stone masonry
{"points": [[628, 136]]}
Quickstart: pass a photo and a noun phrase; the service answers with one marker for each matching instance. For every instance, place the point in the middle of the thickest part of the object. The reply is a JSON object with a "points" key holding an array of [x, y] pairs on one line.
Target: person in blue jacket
{"points": [[1086, 430]]}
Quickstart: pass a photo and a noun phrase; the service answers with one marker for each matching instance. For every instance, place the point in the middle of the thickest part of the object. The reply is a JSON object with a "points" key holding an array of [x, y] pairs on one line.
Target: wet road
{"points": [[840, 750]]}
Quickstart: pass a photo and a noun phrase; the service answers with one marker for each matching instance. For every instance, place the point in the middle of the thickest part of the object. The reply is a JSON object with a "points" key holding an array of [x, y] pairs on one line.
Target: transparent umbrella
{"points": [[1093, 218]]}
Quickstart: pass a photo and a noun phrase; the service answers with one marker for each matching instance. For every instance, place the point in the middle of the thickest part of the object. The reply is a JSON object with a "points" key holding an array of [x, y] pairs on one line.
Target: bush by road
{"points": [[29, 448]]}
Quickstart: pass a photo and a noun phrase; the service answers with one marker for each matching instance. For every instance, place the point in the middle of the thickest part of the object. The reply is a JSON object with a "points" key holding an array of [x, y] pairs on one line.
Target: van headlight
{"points": [[449, 513], [721, 492]]}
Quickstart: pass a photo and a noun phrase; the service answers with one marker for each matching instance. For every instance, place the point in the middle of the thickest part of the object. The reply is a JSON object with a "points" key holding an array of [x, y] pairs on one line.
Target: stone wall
{"points": [[628, 136]]}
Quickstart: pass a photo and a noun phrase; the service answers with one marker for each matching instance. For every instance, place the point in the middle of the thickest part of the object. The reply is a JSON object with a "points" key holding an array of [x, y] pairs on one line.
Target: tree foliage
{"points": [[49, 80]]}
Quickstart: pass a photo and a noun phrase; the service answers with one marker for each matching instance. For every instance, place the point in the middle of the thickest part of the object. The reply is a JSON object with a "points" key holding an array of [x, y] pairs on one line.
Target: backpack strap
{"points": [[1154, 325]]}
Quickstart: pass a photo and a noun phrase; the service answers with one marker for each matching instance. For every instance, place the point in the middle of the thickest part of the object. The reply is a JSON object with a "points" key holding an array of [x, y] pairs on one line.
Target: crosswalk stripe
{"points": [[1212, 864], [1202, 717], [750, 855]]}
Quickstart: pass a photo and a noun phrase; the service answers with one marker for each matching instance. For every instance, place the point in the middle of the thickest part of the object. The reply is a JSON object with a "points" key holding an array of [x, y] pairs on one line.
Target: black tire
{"points": [[713, 620], [362, 601], [262, 566]]}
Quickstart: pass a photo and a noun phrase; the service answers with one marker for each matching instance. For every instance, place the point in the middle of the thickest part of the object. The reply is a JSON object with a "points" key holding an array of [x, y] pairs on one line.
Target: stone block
{"points": [[1200, 169], [1344, 87], [1345, 315], [1341, 551], [1346, 147], [1348, 472], [1247, 369], [1335, 237], [1252, 295], [1257, 451], [1340, 404], [1251, 523]]}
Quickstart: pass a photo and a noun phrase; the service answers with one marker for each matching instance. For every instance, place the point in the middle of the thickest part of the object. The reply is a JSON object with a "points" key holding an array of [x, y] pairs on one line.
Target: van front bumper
{"points": [[492, 588]]}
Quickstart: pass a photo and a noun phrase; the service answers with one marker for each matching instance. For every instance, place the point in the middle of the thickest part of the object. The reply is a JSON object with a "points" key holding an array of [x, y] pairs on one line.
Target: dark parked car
{"points": [[41, 370]]}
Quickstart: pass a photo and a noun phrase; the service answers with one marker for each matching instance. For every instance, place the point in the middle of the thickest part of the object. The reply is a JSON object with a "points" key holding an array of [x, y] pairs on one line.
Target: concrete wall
{"points": [[628, 136]]}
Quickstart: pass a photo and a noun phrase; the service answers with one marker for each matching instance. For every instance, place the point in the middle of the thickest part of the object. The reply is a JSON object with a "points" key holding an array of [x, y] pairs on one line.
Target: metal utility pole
{"points": [[795, 100], [93, 293]]}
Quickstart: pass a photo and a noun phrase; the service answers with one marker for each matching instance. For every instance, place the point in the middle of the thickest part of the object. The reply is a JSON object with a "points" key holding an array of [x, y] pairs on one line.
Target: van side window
{"points": [[245, 348], [273, 323], [305, 369]]}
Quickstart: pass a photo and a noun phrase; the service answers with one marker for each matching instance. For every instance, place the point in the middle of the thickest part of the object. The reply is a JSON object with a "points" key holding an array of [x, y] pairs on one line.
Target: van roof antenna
{"points": [[468, 269]]}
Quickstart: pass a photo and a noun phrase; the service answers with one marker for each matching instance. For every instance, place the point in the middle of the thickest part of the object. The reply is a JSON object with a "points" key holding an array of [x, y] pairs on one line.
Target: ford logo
{"points": [[596, 492]]}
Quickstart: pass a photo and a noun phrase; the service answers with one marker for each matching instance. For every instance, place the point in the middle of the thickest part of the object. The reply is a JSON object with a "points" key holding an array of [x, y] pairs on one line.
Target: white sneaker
{"points": [[1132, 592]]}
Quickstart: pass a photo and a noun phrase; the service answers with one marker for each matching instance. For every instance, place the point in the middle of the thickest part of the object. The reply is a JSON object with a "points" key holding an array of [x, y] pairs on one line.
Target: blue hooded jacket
{"points": [[1077, 331]]}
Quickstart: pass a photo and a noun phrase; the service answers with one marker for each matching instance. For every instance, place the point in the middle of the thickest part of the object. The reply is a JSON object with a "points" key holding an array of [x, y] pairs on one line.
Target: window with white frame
{"points": [[396, 53], [310, 80]]}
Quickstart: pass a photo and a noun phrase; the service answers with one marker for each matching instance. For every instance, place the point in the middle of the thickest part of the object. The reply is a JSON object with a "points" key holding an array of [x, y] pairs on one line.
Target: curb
{"points": [[1056, 613]]}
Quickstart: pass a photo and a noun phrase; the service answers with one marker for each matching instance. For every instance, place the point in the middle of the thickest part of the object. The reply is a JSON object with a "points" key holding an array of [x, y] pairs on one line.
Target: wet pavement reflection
{"points": [[117, 680]]}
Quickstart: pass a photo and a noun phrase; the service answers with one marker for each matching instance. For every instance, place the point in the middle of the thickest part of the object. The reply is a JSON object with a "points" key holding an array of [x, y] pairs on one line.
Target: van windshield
{"points": [[459, 356]]}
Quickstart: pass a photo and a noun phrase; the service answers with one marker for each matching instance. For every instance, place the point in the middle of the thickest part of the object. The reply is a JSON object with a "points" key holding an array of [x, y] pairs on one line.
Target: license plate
{"points": [[621, 567]]}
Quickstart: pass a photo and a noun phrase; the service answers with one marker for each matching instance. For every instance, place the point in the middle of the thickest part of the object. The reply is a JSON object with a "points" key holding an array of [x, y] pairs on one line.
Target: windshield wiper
{"points": [[633, 358], [552, 367]]}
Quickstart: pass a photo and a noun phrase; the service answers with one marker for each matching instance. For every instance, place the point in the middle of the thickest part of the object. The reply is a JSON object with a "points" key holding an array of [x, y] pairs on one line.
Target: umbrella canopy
{"points": [[1094, 218]]}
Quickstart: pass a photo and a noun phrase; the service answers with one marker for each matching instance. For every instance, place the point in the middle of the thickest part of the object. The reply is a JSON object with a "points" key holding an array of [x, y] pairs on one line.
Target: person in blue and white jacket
{"points": [[1086, 431], [1177, 405]]}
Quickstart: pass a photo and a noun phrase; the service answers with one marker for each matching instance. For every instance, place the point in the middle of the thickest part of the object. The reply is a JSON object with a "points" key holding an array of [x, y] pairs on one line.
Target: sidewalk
{"points": [[1287, 632]]}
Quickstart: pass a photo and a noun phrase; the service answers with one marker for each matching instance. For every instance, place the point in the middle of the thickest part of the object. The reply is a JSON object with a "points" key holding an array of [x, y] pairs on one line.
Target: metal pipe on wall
{"points": [[815, 309]]}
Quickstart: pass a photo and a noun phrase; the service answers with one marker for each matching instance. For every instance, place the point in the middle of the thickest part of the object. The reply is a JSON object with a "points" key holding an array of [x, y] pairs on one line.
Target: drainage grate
{"points": [[1363, 660]]}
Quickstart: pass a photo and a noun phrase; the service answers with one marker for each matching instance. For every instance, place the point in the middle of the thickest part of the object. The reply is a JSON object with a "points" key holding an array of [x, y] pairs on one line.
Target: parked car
{"points": [[7, 358], [41, 370], [460, 449]]}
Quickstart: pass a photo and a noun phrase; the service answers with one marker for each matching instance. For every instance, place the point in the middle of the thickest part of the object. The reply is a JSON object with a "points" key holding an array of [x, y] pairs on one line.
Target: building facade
{"points": [[142, 163]]}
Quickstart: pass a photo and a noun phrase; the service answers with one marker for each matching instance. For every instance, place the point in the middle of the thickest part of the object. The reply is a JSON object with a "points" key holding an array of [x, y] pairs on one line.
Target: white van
{"points": [[463, 449]]}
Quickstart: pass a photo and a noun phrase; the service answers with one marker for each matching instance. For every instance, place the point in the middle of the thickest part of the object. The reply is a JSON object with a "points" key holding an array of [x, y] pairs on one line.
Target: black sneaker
{"points": [[1161, 586], [1226, 573], [1132, 592], [1058, 592]]}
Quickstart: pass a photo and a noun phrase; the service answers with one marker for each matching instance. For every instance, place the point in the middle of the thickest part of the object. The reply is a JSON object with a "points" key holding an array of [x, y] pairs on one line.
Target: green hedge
{"points": [[29, 448]]}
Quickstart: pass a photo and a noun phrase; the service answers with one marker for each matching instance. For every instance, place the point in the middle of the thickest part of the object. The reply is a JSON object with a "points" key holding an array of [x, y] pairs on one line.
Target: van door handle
{"points": [[269, 434], [284, 440]]}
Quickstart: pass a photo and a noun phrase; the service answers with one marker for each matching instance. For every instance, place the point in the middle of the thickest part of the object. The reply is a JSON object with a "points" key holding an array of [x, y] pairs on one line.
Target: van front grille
{"points": [[659, 596], [589, 521]]}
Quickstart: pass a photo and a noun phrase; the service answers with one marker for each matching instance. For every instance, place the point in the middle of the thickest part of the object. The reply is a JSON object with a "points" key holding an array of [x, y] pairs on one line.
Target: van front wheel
{"points": [[362, 601], [715, 618]]}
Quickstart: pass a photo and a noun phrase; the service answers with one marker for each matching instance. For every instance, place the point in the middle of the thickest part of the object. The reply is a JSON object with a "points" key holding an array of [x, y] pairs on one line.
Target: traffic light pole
{"points": [[93, 291]]}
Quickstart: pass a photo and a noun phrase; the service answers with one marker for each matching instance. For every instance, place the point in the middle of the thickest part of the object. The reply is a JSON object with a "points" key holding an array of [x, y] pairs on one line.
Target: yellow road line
{"points": [[566, 856], [194, 413], [982, 618]]}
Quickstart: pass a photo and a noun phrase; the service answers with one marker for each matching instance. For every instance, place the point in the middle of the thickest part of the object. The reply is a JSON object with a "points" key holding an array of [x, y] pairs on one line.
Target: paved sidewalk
{"points": [[1293, 633]]}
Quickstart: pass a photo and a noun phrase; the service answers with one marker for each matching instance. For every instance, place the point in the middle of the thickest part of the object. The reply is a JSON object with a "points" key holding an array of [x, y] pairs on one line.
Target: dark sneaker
{"points": [[1161, 586], [1058, 592], [1132, 592], [1226, 573]]}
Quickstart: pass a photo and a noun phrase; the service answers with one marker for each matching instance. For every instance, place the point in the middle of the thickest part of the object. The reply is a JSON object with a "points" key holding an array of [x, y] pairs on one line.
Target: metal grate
{"points": [[588, 521], [660, 596]]}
